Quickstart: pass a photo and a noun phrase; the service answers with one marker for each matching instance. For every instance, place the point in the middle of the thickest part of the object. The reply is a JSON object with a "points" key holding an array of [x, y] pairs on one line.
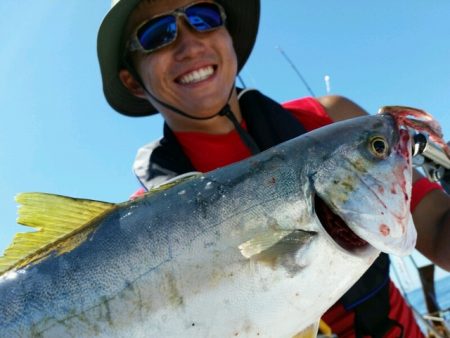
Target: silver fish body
{"points": [[239, 251]]}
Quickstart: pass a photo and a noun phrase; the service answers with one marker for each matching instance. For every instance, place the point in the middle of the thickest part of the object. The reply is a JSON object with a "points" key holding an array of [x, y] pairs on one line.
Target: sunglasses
{"points": [[161, 31]]}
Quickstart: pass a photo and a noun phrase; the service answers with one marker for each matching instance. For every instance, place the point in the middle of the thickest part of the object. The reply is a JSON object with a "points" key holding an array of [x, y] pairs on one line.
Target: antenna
{"points": [[296, 71], [327, 84]]}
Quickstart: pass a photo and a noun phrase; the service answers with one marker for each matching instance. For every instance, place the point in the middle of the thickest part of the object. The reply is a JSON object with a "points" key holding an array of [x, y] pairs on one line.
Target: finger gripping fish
{"points": [[239, 251]]}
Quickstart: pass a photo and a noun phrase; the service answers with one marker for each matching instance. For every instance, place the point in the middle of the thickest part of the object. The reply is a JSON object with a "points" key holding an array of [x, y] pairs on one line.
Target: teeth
{"points": [[197, 75]]}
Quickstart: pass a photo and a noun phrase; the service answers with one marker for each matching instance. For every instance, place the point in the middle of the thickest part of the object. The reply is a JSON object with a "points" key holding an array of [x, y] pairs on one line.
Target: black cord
{"points": [[244, 135]]}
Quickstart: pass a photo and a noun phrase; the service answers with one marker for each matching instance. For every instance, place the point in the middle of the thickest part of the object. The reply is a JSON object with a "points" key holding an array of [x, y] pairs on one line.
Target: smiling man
{"points": [[180, 58], [190, 75]]}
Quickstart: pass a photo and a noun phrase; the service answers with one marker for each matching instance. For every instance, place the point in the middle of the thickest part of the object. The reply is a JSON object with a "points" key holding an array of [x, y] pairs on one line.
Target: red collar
{"points": [[211, 151]]}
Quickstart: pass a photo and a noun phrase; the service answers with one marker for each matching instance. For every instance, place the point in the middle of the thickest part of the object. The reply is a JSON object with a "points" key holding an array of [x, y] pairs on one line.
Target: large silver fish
{"points": [[239, 251]]}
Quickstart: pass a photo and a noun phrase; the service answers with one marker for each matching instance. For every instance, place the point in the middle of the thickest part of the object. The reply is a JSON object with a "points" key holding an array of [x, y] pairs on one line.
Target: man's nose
{"points": [[189, 41]]}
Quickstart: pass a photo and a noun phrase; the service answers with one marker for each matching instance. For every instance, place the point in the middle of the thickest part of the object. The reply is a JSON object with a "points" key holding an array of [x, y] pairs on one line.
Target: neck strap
{"points": [[225, 111]]}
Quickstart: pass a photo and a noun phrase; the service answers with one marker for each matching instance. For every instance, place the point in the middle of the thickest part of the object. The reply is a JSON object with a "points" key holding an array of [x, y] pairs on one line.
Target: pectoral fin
{"points": [[273, 244]]}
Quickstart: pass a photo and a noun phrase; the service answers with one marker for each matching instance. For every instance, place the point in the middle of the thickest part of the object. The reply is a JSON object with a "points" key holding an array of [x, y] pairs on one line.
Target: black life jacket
{"points": [[269, 124]]}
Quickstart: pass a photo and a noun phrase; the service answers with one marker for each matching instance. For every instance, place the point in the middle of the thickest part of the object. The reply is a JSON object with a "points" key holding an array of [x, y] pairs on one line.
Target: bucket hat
{"points": [[242, 24]]}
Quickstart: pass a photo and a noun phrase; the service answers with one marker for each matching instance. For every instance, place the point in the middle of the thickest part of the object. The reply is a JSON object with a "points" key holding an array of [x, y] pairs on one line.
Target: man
{"points": [[181, 58]]}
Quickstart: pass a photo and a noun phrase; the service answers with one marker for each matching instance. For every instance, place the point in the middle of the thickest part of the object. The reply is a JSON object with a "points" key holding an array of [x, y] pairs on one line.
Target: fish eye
{"points": [[379, 147]]}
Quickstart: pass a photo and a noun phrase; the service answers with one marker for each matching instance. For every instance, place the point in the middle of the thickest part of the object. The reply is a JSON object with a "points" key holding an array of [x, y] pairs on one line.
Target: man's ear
{"points": [[131, 84]]}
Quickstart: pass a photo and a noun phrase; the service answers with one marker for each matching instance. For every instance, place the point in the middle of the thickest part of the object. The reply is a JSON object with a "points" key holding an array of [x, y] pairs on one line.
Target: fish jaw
{"points": [[373, 197]]}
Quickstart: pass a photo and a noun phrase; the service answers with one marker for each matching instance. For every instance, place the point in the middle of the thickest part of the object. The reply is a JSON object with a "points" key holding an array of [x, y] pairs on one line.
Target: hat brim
{"points": [[242, 24]]}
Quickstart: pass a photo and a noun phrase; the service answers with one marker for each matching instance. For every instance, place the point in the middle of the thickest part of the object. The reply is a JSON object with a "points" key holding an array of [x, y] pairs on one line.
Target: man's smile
{"points": [[196, 75]]}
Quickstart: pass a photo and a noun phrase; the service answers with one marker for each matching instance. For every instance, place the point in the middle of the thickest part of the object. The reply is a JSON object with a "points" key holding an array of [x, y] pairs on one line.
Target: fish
{"points": [[259, 248]]}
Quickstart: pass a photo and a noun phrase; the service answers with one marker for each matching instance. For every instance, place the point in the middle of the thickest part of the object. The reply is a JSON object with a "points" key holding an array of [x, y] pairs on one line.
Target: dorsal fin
{"points": [[55, 218], [173, 182], [176, 180]]}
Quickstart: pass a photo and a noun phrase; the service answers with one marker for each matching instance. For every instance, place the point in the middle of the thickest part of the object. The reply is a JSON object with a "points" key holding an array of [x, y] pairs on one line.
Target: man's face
{"points": [[194, 73]]}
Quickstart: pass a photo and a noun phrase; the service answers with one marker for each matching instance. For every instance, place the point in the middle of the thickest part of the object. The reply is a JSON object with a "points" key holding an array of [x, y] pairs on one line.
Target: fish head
{"points": [[363, 186]]}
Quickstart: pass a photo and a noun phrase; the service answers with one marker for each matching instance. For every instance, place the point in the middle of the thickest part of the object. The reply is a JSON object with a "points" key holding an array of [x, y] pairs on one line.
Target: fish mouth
{"points": [[335, 226]]}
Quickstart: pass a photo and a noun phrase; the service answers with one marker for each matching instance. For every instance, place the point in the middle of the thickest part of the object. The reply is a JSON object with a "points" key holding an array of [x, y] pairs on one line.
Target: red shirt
{"points": [[208, 152]]}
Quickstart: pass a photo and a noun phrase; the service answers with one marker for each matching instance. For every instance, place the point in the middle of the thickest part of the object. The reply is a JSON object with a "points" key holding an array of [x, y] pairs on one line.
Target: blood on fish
{"points": [[384, 230]]}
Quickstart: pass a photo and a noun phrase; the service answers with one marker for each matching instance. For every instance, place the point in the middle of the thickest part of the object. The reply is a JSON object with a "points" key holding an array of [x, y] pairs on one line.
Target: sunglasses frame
{"points": [[135, 45]]}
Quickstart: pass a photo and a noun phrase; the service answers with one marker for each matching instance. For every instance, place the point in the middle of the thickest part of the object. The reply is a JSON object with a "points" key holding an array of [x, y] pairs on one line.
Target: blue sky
{"points": [[58, 135]]}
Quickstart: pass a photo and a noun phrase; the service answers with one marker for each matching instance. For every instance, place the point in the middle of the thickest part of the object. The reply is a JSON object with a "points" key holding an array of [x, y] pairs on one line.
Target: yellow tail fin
{"points": [[56, 218]]}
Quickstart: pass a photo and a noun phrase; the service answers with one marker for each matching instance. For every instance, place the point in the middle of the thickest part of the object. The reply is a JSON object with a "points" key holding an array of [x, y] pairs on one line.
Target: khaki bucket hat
{"points": [[242, 24]]}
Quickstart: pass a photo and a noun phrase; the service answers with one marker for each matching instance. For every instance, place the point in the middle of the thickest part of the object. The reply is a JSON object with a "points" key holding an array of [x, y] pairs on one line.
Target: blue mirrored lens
{"points": [[204, 16], [157, 32], [162, 30]]}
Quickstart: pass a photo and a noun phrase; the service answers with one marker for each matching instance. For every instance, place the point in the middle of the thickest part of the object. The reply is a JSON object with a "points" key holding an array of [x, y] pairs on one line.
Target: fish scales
{"points": [[171, 263]]}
